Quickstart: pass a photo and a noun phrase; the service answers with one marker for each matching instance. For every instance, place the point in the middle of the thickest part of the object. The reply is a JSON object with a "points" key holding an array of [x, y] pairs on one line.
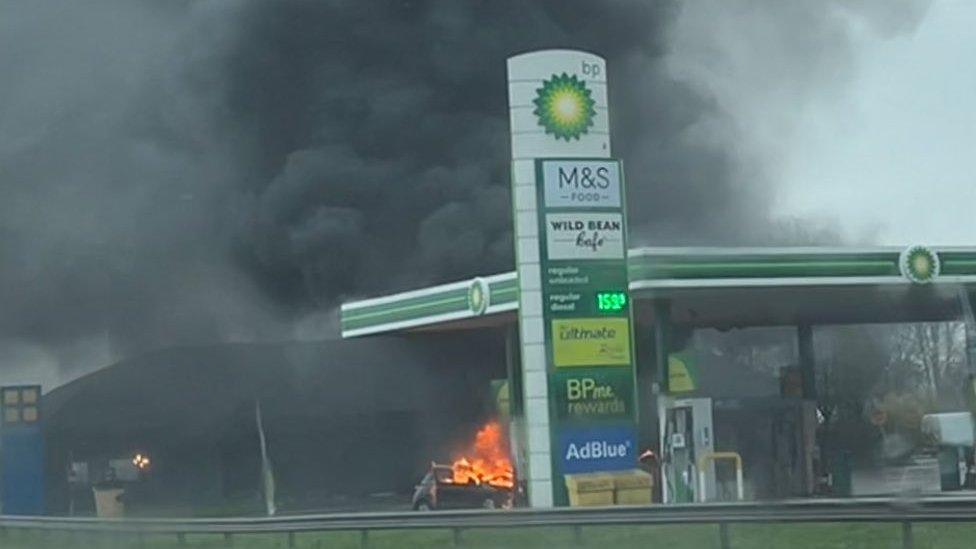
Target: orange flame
{"points": [[488, 462]]}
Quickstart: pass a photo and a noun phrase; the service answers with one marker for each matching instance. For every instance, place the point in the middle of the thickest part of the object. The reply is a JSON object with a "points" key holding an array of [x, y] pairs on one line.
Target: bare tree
{"points": [[930, 359], [850, 368]]}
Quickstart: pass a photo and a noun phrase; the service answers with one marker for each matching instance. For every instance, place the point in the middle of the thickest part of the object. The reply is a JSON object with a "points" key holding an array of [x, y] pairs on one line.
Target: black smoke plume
{"points": [[186, 172]]}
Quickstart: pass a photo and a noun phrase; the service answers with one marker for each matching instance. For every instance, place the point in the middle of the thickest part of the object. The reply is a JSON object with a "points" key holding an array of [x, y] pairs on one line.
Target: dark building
{"points": [[344, 419]]}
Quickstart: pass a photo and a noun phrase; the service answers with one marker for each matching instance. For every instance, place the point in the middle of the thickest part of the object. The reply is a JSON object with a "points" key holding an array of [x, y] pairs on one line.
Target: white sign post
{"points": [[558, 109]]}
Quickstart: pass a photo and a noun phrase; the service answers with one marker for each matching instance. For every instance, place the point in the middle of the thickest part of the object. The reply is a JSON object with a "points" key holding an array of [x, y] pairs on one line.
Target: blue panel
{"points": [[597, 448], [22, 477]]}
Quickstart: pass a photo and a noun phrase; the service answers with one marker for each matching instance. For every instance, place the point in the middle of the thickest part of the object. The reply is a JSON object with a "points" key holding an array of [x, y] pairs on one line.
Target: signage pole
{"points": [[571, 245]]}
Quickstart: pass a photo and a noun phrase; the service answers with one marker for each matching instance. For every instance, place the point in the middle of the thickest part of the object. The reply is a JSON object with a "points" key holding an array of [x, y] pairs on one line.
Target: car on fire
{"points": [[440, 489]]}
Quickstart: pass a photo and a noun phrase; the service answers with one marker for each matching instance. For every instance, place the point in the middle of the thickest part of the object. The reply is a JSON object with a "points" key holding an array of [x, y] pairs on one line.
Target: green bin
{"points": [[840, 474]]}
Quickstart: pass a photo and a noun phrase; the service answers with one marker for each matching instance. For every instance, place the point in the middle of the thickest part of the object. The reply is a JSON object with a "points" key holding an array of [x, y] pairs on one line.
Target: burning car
{"points": [[485, 479], [438, 490]]}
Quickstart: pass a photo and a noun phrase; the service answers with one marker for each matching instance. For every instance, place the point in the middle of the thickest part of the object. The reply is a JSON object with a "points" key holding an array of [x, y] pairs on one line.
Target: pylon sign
{"points": [[586, 307], [571, 245]]}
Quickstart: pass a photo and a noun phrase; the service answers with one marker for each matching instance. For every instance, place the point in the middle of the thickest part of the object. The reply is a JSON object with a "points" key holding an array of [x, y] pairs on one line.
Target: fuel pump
{"points": [[686, 431]]}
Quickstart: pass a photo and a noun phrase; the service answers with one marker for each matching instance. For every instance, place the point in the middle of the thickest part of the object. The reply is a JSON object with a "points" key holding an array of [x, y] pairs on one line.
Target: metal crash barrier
{"points": [[903, 511], [713, 457]]}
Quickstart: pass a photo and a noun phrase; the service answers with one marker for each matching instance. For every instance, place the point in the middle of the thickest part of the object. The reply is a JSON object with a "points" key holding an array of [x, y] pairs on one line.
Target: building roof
{"points": [[674, 273]]}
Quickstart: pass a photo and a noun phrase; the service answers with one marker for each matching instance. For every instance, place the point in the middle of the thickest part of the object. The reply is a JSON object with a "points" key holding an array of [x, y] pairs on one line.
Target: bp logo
{"points": [[564, 106], [919, 264], [478, 296]]}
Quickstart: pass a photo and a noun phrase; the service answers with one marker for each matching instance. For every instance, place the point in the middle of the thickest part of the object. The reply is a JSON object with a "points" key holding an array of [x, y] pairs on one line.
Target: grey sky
{"points": [[869, 131], [896, 155]]}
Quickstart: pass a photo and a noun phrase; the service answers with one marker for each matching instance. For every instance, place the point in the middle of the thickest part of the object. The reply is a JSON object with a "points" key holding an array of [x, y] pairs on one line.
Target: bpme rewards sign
{"points": [[586, 307]]}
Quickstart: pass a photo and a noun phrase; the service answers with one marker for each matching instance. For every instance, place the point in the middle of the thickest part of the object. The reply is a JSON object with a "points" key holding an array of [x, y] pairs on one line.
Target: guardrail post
{"points": [[577, 534], [364, 538], [457, 537], [907, 538], [228, 539], [181, 538], [291, 540], [723, 536]]}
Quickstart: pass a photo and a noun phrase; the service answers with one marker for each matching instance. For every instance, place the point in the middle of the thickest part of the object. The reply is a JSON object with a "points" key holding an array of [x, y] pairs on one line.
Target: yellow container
{"points": [[632, 487], [589, 489]]}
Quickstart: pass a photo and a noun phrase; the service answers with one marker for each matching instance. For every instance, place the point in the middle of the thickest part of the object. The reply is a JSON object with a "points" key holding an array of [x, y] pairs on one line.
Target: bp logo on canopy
{"points": [[564, 106], [478, 296], [919, 264]]}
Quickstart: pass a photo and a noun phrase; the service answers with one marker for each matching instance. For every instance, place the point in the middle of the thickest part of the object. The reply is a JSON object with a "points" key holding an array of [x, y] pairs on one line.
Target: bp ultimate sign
{"points": [[570, 244], [587, 312]]}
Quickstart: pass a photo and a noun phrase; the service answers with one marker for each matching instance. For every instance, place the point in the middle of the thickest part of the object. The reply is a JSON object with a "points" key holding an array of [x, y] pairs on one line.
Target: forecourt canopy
{"points": [[707, 287]]}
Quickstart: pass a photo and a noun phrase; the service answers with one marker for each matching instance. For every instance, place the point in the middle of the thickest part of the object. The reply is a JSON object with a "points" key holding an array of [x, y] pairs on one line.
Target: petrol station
{"points": [[603, 357], [596, 355]]}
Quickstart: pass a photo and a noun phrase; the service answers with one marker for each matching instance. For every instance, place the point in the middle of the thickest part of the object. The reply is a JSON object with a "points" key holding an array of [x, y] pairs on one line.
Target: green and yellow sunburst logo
{"points": [[919, 264], [478, 296], [564, 106]]}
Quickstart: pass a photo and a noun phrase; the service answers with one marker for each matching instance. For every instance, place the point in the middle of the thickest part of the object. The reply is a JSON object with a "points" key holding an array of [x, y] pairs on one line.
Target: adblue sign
{"points": [[589, 449]]}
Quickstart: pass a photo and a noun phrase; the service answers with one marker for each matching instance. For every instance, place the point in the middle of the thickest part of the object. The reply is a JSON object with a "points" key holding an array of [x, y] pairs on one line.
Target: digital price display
{"points": [[611, 302]]}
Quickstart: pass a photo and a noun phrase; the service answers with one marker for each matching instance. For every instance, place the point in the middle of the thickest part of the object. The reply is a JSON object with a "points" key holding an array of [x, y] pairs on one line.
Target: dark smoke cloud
{"points": [[184, 172], [384, 132]]}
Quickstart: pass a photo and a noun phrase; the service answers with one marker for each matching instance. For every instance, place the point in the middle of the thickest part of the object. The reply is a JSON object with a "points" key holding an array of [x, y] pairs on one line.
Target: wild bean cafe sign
{"points": [[586, 308], [585, 235]]}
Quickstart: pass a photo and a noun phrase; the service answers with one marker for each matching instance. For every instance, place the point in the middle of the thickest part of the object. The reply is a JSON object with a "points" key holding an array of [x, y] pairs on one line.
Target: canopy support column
{"points": [[808, 361], [662, 335]]}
